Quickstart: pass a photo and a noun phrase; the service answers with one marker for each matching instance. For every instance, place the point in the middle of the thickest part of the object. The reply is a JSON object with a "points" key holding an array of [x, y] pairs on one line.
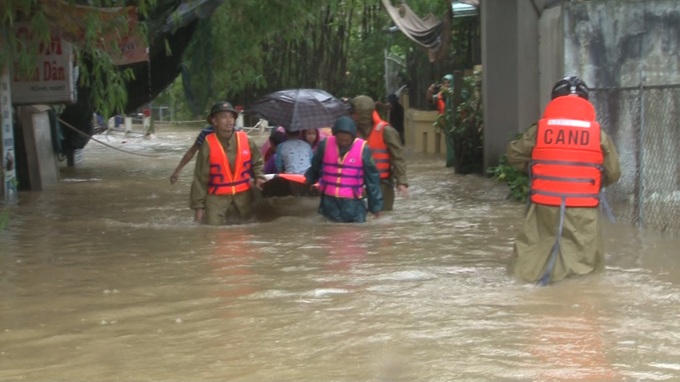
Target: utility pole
{"points": [[9, 183]]}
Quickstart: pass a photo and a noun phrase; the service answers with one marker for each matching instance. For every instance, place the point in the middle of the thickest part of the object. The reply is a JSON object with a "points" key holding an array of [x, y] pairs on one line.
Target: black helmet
{"points": [[570, 85]]}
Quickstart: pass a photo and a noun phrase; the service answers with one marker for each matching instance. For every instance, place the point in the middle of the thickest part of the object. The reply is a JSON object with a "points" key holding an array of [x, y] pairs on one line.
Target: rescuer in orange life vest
{"points": [[228, 164], [569, 159], [385, 144]]}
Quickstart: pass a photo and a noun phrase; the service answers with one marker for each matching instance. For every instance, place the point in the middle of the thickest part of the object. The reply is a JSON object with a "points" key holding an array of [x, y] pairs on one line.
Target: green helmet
{"points": [[219, 107]]}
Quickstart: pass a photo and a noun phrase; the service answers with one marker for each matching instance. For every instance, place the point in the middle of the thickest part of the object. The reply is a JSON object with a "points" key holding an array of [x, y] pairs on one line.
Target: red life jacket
{"points": [[381, 155], [224, 181], [566, 163]]}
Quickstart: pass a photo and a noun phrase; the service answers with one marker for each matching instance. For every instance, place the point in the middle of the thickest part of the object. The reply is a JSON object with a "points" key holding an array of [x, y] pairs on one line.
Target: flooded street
{"points": [[105, 277]]}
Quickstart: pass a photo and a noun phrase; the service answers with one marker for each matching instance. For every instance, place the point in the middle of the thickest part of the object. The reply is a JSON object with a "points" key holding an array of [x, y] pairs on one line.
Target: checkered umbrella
{"points": [[300, 109]]}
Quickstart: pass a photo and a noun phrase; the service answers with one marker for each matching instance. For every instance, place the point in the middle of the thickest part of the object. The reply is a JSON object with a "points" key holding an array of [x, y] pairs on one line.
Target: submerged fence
{"points": [[644, 124]]}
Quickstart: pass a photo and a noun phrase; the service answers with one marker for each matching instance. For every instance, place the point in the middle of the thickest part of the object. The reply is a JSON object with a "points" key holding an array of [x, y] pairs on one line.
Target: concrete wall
{"points": [[618, 43], [420, 135], [528, 45]]}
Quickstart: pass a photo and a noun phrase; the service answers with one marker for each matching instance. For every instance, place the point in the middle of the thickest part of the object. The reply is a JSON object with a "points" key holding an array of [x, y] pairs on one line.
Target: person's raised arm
{"points": [[183, 162]]}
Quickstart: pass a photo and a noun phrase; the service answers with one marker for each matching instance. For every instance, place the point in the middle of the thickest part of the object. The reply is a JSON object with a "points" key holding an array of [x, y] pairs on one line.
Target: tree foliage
{"points": [[106, 81], [252, 48]]}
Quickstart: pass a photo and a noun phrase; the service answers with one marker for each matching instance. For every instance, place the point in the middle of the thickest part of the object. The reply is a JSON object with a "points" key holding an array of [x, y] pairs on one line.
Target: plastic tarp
{"points": [[428, 32], [423, 31]]}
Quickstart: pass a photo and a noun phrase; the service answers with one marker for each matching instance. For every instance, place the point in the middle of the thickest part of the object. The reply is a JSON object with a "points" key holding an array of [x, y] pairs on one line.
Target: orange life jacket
{"points": [[375, 117], [381, 155], [441, 104], [224, 181], [566, 163]]}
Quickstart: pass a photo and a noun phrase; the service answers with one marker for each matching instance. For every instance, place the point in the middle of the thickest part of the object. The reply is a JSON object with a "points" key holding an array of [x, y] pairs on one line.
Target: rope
{"points": [[106, 144]]}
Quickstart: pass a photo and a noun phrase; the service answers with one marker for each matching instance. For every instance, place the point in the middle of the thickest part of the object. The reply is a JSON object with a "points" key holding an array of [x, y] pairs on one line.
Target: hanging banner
{"points": [[9, 183], [52, 80], [116, 28]]}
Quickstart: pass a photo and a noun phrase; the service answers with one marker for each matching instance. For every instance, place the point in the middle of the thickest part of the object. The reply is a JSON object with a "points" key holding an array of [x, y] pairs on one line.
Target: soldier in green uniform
{"points": [[228, 164], [386, 147]]}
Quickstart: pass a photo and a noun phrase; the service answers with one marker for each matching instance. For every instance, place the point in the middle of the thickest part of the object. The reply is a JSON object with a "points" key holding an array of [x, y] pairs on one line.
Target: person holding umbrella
{"points": [[386, 147], [343, 166], [227, 165]]}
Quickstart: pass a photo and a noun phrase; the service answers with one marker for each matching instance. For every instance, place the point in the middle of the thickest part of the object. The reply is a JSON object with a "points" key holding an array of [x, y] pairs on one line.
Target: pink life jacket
{"points": [[343, 177]]}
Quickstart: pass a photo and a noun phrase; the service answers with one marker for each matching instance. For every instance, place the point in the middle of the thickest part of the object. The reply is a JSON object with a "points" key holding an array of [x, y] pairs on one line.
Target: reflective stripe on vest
{"points": [[566, 162], [224, 181], [343, 177], [381, 155]]}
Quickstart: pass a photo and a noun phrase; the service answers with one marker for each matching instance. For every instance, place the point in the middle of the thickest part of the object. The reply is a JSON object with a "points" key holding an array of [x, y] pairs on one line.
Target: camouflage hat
{"points": [[363, 103], [219, 107]]}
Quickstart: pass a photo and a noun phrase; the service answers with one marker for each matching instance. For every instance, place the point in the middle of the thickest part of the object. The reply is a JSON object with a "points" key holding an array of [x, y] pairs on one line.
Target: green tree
{"points": [[252, 48], [97, 69]]}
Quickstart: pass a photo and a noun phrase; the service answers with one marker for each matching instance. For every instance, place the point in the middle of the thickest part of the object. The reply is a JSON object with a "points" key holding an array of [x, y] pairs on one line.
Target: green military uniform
{"points": [[223, 209], [581, 250], [364, 107]]}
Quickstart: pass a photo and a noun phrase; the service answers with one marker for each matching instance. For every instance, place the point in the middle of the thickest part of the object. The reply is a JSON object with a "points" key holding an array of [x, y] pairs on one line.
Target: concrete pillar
{"points": [[510, 72], [128, 124], [42, 162]]}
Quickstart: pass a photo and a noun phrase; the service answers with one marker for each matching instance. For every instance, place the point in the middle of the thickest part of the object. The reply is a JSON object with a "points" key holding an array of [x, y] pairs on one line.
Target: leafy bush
{"points": [[517, 180]]}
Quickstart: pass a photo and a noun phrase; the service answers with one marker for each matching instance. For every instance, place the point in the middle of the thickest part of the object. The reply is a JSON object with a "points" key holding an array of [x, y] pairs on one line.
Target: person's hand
{"points": [[259, 182], [174, 177], [198, 215], [402, 189]]}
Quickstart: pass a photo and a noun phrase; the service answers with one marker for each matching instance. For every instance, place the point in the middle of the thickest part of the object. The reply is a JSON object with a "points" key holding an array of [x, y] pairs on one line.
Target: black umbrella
{"points": [[300, 109]]}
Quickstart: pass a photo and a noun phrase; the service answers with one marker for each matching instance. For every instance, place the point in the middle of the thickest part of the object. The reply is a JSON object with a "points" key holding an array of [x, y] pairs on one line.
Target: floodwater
{"points": [[105, 277]]}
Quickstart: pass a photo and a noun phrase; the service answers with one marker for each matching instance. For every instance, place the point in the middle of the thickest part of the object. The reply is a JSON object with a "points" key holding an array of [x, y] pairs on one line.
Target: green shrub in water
{"points": [[517, 180]]}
